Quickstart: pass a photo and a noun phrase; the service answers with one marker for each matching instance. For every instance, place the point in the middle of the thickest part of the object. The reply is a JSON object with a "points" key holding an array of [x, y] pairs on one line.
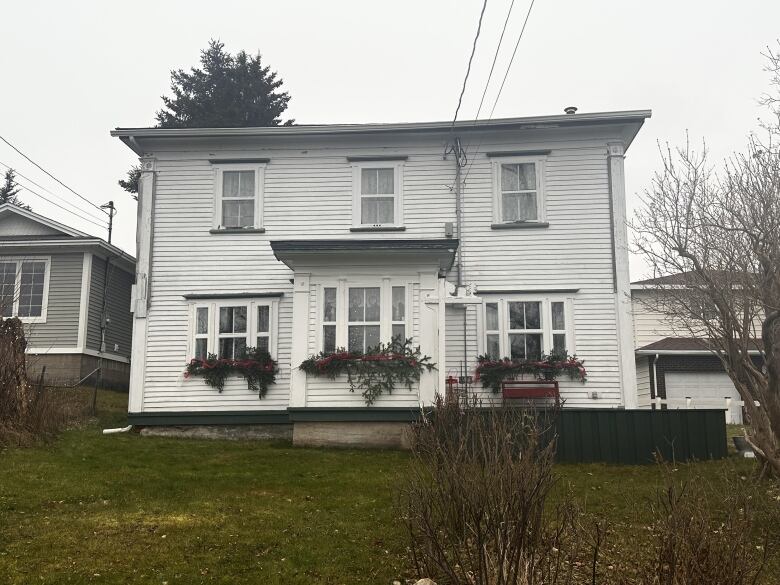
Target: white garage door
{"points": [[706, 389]]}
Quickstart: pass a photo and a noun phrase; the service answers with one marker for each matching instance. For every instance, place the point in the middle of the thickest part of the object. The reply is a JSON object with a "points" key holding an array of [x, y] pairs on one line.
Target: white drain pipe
{"points": [[117, 430]]}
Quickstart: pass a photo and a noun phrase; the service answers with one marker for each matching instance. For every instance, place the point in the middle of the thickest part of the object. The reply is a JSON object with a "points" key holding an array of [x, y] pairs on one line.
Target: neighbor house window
{"points": [[518, 196], [24, 288], [527, 328], [377, 200], [359, 318], [239, 196], [229, 328]]}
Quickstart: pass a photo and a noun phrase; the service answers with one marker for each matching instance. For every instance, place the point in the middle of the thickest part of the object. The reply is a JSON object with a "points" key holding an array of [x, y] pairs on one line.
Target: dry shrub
{"points": [[707, 536], [479, 511], [476, 501], [29, 413]]}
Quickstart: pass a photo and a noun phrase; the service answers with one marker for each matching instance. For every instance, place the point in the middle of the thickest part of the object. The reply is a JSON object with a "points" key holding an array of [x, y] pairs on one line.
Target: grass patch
{"points": [[127, 509]]}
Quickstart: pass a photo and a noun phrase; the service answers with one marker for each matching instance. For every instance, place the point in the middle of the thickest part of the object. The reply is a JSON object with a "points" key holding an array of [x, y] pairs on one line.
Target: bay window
{"points": [[24, 284], [527, 328], [359, 317], [228, 328]]}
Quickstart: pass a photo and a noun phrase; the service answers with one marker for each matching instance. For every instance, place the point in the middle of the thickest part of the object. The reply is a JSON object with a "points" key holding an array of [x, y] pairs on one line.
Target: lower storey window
{"points": [[229, 328], [359, 318], [527, 328]]}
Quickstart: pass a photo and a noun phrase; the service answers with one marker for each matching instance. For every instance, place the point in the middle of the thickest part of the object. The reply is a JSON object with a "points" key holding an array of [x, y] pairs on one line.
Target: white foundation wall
{"points": [[308, 195]]}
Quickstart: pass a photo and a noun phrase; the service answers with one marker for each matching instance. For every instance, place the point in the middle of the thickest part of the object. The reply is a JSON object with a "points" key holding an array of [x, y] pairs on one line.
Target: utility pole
{"points": [[111, 213], [104, 320]]}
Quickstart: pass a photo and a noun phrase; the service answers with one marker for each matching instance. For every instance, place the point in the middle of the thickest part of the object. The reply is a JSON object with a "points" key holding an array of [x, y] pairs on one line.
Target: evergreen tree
{"points": [[226, 92], [9, 191]]}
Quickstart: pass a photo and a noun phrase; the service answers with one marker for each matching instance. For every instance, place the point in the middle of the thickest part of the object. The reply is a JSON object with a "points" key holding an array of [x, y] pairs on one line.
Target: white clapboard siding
{"points": [[308, 195], [643, 390], [651, 325]]}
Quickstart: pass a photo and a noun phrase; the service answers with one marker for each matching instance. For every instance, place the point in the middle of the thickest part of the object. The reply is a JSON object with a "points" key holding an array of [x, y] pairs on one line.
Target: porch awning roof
{"points": [[442, 249]]}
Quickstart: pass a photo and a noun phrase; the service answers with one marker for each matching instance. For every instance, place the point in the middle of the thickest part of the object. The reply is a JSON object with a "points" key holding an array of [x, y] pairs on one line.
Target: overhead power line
{"points": [[468, 69], [76, 193], [495, 58], [511, 60], [26, 188], [503, 82], [73, 205]]}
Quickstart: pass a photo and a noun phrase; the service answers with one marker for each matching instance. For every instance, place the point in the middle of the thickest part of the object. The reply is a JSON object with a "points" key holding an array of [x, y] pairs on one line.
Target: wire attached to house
{"points": [[76, 193], [73, 205], [501, 87], [468, 68]]}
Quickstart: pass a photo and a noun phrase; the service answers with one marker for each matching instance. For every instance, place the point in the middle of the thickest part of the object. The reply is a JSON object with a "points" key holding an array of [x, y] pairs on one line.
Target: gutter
{"points": [[657, 352], [131, 136]]}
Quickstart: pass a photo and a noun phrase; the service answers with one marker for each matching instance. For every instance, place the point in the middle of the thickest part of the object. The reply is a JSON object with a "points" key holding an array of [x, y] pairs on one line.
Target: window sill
{"points": [[520, 225], [237, 231], [379, 228]]}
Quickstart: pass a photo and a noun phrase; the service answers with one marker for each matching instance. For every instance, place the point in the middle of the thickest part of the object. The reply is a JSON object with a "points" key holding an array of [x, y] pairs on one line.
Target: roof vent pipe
{"points": [[570, 109]]}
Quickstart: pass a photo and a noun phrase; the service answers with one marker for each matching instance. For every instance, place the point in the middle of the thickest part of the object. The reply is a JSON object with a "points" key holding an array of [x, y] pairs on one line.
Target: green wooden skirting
{"points": [[634, 436]]}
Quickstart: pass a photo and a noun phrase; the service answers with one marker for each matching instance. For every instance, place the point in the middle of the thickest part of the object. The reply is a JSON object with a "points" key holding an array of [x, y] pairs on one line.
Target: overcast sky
{"points": [[71, 71]]}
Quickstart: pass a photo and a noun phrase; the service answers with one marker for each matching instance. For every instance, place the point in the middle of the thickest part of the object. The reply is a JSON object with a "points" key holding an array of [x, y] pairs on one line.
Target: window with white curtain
{"points": [[518, 189], [239, 196], [24, 288], [364, 318], [329, 307], [377, 195], [524, 327]]}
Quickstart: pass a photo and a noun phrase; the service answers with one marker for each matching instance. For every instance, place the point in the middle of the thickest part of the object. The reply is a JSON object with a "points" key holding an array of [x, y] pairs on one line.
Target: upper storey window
{"points": [[377, 200], [239, 196], [519, 190]]}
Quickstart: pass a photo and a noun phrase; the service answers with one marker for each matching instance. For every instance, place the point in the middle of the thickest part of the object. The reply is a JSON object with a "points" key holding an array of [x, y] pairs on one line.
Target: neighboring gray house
{"points": [[53, 278]]}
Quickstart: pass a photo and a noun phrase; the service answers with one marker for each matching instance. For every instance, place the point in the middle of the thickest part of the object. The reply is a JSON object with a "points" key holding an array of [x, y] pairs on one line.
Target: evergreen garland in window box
{"points": [[375, 372], [256, 367], [493, 372]]}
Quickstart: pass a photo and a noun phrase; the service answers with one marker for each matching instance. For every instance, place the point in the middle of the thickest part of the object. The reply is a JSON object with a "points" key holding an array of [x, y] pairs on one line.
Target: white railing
{"points": [[727, 404]]}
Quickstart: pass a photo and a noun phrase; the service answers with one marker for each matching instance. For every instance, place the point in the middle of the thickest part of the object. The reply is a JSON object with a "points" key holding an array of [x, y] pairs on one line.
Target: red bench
{"points": [[531, 389]]}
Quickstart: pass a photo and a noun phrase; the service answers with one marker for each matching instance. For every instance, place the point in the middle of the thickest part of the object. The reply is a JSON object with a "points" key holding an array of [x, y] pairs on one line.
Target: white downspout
{"points": [[117, 430], [655, 377]]}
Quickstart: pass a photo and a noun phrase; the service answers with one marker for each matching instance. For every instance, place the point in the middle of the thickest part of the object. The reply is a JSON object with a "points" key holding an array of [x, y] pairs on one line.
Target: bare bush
{"points": [[696, 543], [475, 503], [29, 413]]}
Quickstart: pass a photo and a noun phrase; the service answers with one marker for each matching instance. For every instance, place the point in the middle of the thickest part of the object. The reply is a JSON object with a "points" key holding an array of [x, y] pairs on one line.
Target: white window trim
{"points": [[251, 333], [17, 285], [219, 169], [540, 162], [547, 330], [398, 209], [386, 322]]}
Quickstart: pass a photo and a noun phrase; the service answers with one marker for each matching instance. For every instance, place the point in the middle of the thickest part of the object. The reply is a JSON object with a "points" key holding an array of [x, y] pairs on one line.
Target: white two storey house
{"points": [[503, 237]]}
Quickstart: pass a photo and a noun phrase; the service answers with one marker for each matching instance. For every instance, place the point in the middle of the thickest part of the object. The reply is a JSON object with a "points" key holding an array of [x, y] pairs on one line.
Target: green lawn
{"points": [[131, 509]]}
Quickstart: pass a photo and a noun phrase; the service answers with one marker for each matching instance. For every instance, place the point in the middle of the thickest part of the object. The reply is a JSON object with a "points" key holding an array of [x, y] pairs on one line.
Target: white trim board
{"points": [[86, 285], [76, 350]]}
